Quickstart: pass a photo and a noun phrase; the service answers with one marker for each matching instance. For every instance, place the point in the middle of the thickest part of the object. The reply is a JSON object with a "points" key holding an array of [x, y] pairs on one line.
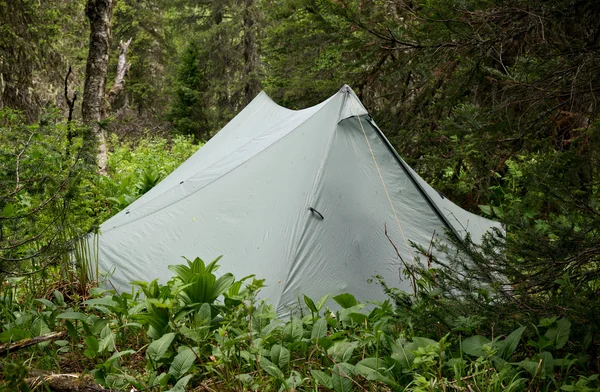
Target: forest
{"points": [[492, 102]]}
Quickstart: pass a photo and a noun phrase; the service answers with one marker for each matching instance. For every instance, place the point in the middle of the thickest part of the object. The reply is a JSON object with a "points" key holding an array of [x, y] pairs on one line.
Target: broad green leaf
{"points": [[294, 381], [213, 266], [473, 345], [107, 339], [402, 354], [117, 381], [103, 301], [423, 342], [246, 379], [222, 285], [273, 325], [96, 291], [342, 351], [532, 367], [158, 348], [118, 355], [44, 301], [559, 333], [509, 345], [372, 369], [322, 378], [546, 322], [181, 384], [271, 368], [486, 209], [321, 302], [71, 330], [369, 365], [341, 377], [499, 362], [14, 335], [204, 315], [311, 305], [99, 325], [92, 347], [39, 328], [280, 356], [60, 299], [358, 318], [131, 325], [161, 380], [547, 363], [71, 315], [293, 330], [345, 300], [319, 329], [182, 363], [181, 271]]}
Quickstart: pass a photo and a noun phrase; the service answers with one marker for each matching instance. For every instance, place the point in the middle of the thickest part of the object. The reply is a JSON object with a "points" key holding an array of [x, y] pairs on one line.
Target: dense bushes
{"points": [[51, 194]]}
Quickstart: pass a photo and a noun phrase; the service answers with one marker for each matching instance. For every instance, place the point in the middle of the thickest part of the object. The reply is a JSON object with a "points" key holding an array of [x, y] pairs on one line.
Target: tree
{"points": [[223, 46], [251, 54], [39, 42], [188, 112], [152, 54], [99, 13]]}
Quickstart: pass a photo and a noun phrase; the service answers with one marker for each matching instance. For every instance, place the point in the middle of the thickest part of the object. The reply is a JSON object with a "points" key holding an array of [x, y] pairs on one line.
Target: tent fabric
{"points": [[294, 197]]}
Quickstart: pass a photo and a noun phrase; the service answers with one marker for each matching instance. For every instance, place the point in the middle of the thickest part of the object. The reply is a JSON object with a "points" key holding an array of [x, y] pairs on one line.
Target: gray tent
{"points": [[299, 198]]}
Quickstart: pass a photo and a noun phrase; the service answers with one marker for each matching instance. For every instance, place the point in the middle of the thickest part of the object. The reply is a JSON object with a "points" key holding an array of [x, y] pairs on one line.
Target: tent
{"points": [[299, 198]]}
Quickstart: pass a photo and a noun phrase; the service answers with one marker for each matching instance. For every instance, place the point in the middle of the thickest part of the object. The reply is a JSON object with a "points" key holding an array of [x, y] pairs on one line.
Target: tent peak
{"points": [[352, 106], [346, 89]]}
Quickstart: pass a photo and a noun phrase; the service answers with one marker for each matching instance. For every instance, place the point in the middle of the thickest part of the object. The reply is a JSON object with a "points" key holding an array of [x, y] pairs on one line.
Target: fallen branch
{"points": [[45, 380], [11, 347], [65, 383]]}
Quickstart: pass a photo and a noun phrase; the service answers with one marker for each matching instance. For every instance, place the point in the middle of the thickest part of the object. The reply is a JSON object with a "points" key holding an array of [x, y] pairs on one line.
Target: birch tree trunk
{"points": [[99, 13], [122, 70]]}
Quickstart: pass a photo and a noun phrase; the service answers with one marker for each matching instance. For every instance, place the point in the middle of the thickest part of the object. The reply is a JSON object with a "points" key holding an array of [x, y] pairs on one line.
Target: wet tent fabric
{"points": [[298, 198]]}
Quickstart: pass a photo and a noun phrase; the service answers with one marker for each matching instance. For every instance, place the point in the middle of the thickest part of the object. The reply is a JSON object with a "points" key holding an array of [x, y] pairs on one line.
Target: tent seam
{"points": [[309, 198], [402, 164]]}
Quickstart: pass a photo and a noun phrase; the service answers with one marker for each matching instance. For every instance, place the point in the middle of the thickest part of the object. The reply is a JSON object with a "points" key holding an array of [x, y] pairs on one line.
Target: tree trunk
{"points": [[99, 13], [122, 69], [251, 58]]}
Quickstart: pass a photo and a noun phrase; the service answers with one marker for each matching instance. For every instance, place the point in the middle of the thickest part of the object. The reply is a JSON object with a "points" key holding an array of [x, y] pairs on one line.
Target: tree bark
{"points": [[251, 59], [99, 13], [122, 70]]}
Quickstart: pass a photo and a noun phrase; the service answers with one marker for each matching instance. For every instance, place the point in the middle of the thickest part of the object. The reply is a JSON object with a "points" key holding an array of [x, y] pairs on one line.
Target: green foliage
{"points": [[188, 113], [14, 375], [42, 196], [136, 168], [35, 40], [51, 195], [193, 333]]}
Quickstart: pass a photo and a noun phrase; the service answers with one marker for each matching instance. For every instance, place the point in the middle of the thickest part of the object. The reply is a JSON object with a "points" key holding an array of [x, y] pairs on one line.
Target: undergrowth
{"points": [[203, 332]]}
